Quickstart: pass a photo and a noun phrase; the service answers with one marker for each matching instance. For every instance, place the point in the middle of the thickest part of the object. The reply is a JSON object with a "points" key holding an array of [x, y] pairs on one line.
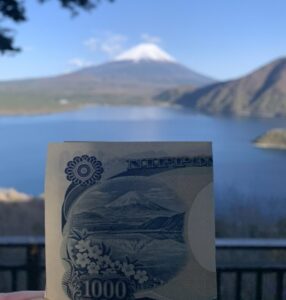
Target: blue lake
{"points": [[241, 170]]}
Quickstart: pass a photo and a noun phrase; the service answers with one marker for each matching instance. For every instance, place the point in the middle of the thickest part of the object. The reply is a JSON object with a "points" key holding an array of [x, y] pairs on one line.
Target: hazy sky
{"points": [[221, 38]]}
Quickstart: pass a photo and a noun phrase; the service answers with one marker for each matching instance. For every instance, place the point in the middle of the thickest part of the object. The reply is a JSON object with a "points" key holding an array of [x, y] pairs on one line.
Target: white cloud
{"points": [[91, 43], [79, 62], [147, 38], [113, 45], [110, 44]]}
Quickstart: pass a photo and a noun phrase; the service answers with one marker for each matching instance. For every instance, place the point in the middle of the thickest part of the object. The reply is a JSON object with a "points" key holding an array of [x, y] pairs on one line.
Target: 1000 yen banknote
{"points": [[130, 221]]}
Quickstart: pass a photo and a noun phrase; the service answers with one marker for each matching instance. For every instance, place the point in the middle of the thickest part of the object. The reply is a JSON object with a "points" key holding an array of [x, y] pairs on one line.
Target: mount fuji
{"points": [[132, 78], [132, 200], [146, 65]]}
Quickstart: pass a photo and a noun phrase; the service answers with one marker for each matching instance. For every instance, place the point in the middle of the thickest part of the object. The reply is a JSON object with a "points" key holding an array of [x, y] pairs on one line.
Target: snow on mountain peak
{"points": [[145, 52]]}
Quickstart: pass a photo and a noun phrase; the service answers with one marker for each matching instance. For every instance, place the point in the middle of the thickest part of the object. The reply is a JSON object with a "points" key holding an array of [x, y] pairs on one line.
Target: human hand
{"points": [[27, 295]]}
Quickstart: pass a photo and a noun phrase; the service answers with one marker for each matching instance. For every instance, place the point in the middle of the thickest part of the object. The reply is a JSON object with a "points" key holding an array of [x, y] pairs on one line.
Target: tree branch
{"points": [[12, 9], [7, 42], [15, 11]]}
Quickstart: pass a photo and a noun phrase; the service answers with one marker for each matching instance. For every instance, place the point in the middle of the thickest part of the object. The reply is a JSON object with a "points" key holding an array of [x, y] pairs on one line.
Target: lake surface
{"points": [[241, 170]]}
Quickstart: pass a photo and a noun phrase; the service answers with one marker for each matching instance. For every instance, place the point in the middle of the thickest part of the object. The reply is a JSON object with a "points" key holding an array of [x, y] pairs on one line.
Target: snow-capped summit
{"points": [[145, 52]]}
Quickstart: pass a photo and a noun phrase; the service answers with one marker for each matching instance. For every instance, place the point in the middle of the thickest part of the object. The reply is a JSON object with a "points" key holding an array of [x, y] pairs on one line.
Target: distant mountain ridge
{"points": [[173, 223], [261, 93], [133, 78]]}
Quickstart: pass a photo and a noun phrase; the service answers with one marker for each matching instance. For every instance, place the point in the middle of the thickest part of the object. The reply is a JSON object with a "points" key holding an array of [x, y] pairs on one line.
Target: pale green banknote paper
{"points": [[130, 221]]}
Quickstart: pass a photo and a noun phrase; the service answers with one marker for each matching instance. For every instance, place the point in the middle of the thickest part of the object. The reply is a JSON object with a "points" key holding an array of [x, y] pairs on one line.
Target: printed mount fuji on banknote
{"points": [[130, 221]]}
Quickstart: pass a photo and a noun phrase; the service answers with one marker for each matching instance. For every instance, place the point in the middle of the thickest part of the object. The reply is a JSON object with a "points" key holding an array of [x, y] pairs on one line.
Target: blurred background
{"points": [[184, 70]]}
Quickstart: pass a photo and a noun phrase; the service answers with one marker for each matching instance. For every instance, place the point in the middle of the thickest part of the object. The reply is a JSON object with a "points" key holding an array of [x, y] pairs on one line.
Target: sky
{"points": [[223, 39]]}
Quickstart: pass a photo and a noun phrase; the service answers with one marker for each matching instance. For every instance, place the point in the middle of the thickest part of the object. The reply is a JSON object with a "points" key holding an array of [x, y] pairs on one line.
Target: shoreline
{"points": [[39, 112], [269, 146], [70, 108], [22, 112], [12, 195]]}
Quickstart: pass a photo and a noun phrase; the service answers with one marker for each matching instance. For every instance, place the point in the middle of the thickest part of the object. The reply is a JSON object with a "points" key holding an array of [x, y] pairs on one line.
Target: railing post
{"points": [[238, 285], [279, 285], [33, 267], [218, 284], [14, 274], [259, 285]]}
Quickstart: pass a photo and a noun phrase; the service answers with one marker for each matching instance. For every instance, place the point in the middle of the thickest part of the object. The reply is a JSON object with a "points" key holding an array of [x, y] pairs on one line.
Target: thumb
{"points": [[27, 295]]}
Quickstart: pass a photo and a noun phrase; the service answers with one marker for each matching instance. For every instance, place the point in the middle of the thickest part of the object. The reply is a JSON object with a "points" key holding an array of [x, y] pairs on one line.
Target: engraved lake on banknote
{"points": [[241, 170], [121, 225]]}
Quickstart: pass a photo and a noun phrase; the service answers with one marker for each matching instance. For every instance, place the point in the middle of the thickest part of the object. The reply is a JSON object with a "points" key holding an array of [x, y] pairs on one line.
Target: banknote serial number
{"points": [[105, 289], [170, 162]]}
